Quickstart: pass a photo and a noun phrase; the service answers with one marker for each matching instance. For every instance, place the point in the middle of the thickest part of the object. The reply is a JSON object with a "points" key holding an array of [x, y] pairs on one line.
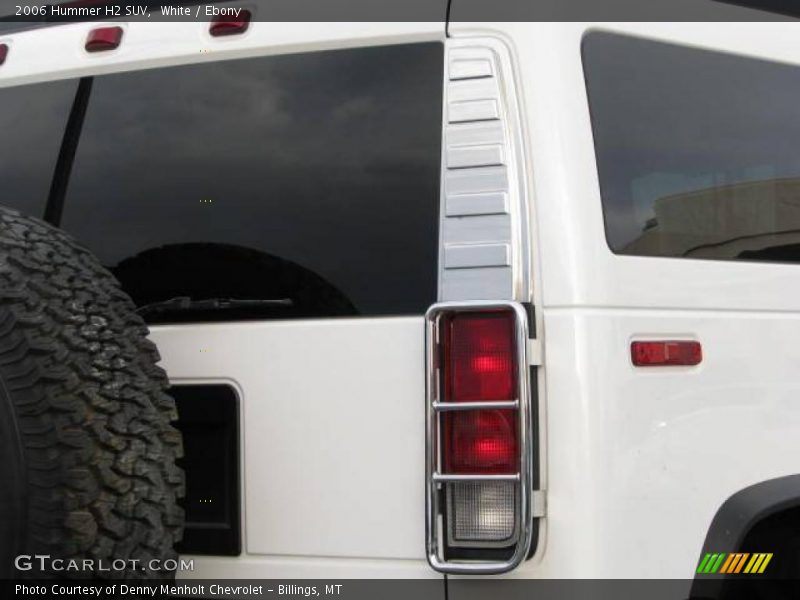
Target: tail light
{"points": [[3, 53], [480, 463]]}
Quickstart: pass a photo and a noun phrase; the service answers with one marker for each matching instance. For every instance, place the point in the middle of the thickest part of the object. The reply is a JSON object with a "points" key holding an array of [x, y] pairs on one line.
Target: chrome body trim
{"points": [[452, 406], [444, 478], [484, 246]]}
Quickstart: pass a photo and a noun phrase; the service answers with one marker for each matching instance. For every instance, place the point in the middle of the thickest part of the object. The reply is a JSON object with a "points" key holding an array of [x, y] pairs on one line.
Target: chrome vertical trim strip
{"points": [[484, 194]]}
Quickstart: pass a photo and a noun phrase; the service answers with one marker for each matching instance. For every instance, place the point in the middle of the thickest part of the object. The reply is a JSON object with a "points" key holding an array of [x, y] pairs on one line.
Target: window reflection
{"points": [[327, 161], [696, 150]]}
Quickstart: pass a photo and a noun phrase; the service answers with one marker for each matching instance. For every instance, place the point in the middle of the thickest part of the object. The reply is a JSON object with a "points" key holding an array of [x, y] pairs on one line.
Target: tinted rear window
{"points": [[310, 177], [697, 151], [31, 128]]}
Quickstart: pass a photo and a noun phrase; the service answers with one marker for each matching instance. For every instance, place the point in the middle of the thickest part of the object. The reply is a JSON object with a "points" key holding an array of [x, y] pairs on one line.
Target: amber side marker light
{"points": [[104, 39], [222, 25], [666, 353]]}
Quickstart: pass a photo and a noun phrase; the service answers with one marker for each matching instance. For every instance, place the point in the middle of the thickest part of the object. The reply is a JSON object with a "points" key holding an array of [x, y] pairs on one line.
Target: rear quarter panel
{"points": [[637, 461]]}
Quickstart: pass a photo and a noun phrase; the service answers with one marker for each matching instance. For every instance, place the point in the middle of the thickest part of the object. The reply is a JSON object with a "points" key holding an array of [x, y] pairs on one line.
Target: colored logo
{"points": [[734, 563]]}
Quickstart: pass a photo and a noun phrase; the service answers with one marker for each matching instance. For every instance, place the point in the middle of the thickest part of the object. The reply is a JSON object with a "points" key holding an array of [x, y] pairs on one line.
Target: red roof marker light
{"points": [[222, 25], [103, 39], [665, 353]]}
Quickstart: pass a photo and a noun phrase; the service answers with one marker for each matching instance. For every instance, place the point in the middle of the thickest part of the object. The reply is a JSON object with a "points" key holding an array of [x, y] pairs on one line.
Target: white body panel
{"points": [[640, 460], [635, 462], [58, 52], [331, 456]]}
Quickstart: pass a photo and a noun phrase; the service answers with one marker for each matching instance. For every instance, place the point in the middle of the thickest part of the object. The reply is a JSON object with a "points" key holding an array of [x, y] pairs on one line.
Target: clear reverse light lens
{"points": [[482, 512]]}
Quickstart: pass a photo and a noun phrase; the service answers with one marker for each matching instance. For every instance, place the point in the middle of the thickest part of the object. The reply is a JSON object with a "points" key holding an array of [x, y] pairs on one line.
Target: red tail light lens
{"points": [[3, 53], [480, 362], [230, 25], [481, 441], [103, 39], [666, 353], [480, 365]]}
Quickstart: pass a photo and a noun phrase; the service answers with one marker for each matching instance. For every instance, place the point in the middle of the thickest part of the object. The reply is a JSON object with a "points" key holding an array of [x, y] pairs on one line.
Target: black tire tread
{"points": [[92, 411]]}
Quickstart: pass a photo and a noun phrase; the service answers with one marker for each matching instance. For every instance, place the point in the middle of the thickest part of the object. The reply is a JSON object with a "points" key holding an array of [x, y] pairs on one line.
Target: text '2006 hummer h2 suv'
{"points": [[465, 298]]}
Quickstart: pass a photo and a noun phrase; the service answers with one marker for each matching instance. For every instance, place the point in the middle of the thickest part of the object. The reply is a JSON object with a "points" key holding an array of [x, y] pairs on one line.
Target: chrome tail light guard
{"points": [[436, 480]]}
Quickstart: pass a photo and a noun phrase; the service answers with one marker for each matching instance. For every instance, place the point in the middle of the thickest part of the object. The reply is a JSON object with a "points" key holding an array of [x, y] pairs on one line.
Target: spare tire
{"points": [[88, 475]]}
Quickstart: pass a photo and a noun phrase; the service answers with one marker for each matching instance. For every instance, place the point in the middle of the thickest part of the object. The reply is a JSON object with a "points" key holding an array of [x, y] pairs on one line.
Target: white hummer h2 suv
{"points": [[432, 299]]}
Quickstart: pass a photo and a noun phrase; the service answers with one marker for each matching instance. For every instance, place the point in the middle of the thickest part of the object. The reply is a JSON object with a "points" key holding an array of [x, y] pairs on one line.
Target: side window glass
{"points": [[697, 151]]}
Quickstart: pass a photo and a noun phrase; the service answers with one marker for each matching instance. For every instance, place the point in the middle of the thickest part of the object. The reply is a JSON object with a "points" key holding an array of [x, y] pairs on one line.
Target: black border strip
{"points": [[434, 11]]}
